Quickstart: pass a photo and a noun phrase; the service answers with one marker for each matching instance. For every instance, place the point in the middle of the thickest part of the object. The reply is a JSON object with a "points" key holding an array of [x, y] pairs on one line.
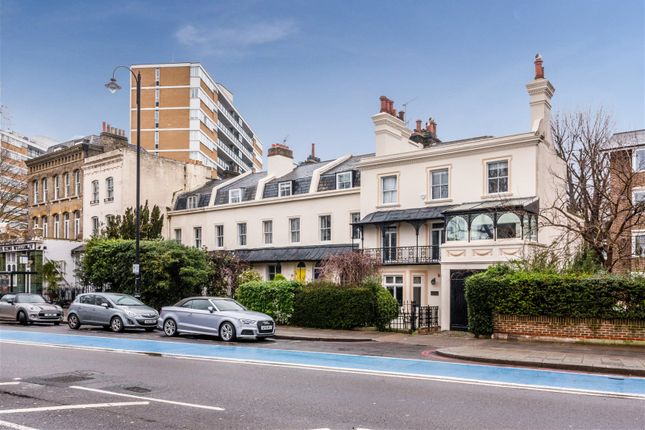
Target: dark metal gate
{"points": [[413, 317]]}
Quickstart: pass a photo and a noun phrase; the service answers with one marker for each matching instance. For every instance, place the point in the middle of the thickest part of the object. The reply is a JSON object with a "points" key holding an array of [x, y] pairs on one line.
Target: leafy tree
{"points": [[349, 268], [169, 270], [124, 227], [52, 275]]}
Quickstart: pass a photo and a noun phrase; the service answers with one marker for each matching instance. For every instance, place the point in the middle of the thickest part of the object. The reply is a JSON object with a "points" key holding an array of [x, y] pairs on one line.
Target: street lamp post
{"points": [[113, 87]]}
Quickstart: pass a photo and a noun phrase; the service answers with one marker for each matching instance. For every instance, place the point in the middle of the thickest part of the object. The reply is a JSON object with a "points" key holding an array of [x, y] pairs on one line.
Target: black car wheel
{"points": [[116, 324], [170, 327], [73, 322], [227, 332], [22, 318]]}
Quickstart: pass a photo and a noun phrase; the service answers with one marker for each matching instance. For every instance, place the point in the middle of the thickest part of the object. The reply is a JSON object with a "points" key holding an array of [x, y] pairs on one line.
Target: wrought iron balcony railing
{"points": [[405, 254]]}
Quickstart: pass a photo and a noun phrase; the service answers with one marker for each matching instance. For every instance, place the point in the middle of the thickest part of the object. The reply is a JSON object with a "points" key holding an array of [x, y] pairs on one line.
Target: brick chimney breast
{"points": [[280, 149]]}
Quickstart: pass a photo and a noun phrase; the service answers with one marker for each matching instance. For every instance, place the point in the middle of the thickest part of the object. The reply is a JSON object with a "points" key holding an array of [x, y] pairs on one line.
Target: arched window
{"points": [[77, 183], [66, 225], [509, 226], [45, 224], [77, 224], [109, 185], [457, 228], [301, 272], [35, 186], [482, 228], [68, 185], [56, 226], [56, 187], [44, 187]]}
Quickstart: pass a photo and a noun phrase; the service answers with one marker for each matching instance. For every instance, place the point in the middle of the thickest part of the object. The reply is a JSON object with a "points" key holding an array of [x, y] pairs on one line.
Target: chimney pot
{"points": [[539, 68], [418, 126], [384, 104]]}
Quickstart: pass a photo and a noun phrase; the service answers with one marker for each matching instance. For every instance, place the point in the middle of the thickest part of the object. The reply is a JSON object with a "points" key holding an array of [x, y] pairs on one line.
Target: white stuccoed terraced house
{"points": [[430, 212]]}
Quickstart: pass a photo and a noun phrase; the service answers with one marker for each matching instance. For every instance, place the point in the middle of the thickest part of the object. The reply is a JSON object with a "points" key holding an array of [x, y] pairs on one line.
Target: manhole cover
{"points": [[136, 389]]}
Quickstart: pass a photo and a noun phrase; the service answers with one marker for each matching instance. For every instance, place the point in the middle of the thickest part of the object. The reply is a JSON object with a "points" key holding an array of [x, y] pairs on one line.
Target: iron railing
{"points": [[413, 317], [405, 254]]}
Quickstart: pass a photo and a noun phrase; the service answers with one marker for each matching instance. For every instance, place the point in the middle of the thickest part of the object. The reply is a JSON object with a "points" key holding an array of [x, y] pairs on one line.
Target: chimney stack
{"points": [[539, 69], [418, 129], [279, 160], [540, 93]]}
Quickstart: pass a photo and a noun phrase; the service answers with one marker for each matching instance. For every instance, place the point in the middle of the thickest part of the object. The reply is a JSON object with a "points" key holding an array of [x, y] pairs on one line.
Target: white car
{"points": [[217, 316]]}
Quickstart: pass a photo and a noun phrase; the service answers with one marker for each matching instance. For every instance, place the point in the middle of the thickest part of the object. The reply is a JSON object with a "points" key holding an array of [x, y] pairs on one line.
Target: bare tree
{"points": [[596, 205], [349, 268], [13, 194]]}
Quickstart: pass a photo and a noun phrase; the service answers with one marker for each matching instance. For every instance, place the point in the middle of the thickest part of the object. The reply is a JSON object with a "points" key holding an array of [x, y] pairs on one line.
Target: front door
{"points": [[458, 308], [389, 243]]}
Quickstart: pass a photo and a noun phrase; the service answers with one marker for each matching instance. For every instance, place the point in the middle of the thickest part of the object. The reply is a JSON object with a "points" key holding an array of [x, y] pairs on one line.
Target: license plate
{"points": [[266, 327], [150, 321]]}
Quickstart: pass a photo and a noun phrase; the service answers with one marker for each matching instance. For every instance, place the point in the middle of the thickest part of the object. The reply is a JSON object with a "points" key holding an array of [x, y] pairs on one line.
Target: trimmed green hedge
{"points": [[506, 292], [274, 298], [327, 306]]}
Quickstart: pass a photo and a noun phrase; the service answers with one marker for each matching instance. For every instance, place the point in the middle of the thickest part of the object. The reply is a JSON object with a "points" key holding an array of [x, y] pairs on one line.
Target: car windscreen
{"points": [[228, 305], [30, 298], [124, 300]]}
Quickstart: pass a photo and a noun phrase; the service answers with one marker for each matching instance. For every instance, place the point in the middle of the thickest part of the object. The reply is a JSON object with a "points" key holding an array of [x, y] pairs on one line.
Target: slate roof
{"points": [[204, 193], [292, 253], [401, 215], [248, 184], [350, 164]]}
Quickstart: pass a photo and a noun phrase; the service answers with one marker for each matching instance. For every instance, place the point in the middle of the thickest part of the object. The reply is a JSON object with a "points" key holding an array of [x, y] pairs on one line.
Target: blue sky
{"points": [[314, 70]]}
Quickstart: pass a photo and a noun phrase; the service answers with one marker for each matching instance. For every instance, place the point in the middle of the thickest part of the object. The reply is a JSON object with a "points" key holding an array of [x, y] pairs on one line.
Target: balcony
{"points": [[400, 255]]}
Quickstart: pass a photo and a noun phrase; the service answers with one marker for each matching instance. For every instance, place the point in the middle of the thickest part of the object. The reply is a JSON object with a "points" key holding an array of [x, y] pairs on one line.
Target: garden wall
{"points": [[505, 326]]}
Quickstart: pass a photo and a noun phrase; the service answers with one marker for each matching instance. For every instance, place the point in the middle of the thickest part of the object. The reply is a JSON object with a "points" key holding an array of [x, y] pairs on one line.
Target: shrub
{"points": [[279, 277], [387, 308], [325, 306], [350, 268], [274, 298], [249, 275], [551, 294]]}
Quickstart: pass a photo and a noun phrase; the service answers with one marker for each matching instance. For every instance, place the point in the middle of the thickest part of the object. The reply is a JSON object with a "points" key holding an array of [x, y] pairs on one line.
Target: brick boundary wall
{"points": [[576, 328]]}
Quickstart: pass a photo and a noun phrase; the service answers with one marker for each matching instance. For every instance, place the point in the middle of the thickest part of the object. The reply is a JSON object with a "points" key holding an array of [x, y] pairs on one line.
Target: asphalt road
{"points": [[138, 391]]}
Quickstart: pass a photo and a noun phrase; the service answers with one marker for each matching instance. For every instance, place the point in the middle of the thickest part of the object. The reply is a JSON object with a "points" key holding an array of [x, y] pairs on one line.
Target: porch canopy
{"points": [[414, 215], [529, 204], [291, 253]]}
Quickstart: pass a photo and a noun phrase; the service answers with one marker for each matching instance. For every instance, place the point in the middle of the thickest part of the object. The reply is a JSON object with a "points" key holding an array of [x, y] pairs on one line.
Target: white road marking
{"points": [[66, 407], [151, 399], [10, 383], [15, 426]]}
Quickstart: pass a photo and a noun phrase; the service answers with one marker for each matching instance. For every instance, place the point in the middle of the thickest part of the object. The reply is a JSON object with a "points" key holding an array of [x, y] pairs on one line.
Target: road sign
{"points": [[135, 269]]}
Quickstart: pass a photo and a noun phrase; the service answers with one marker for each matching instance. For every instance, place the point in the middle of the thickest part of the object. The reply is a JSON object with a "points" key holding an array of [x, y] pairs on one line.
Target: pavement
{"points": [[596, 358]]}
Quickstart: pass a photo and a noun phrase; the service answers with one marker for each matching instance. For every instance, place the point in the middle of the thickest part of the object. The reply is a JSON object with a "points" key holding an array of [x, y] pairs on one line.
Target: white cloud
{"points": [[228, 40]]}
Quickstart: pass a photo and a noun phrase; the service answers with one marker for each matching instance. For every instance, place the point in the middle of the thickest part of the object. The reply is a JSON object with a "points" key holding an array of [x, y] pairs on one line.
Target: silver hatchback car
{"points": [[28, 308], [217, 316], [111, 310]]}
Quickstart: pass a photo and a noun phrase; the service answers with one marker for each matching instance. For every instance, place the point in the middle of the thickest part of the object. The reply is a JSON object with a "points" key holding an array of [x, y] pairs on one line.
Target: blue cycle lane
{"points": [[470, 373]]}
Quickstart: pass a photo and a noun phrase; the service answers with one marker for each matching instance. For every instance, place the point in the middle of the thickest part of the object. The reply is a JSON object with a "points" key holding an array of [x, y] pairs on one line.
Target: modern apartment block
{"points": [[187, 116], [15, 149]]}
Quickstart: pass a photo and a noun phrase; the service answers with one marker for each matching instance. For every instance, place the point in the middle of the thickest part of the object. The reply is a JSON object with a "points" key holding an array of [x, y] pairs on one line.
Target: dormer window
{"points": [[235, 196], [344, 180], [191, 202], [284, 189]]}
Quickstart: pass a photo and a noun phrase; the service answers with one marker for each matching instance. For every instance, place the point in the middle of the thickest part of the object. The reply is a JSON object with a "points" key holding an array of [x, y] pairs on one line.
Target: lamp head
{"points": [[113, 86]]}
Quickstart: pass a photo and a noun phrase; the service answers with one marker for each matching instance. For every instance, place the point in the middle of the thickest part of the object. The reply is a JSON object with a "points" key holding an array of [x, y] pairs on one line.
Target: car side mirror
{"points": [[211, 309], [105, 305]]}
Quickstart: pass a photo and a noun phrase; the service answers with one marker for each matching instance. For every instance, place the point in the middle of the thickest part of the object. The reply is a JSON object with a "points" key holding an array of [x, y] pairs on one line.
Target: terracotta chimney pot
{"points": [[539, 69]]}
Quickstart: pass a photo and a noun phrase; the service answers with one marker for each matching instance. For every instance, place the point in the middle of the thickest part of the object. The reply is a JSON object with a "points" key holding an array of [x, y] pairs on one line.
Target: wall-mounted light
{"points": [[433, 281]]}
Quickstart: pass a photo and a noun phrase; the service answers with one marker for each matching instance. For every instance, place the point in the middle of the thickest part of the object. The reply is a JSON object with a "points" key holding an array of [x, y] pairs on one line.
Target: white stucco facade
{"points": [[161, 179]]}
